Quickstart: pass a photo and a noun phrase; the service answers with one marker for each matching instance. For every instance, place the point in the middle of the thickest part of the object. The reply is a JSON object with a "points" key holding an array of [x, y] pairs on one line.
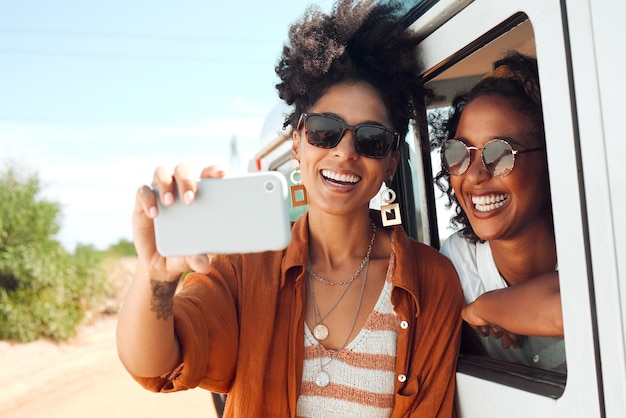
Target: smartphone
{"points": [[242, 214]]}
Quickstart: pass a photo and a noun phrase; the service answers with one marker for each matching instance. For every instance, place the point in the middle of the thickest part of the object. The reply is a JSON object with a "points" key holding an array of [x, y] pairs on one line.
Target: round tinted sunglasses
{"points": [[498, 157], [370, 140]]}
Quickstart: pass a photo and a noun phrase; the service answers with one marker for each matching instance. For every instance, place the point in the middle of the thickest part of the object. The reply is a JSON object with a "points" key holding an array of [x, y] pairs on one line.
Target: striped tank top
{"points": [[362, 375]]}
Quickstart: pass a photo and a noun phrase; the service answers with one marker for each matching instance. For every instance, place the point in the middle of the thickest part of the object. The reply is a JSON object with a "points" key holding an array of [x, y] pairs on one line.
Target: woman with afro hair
{"points": [[353, 318]]}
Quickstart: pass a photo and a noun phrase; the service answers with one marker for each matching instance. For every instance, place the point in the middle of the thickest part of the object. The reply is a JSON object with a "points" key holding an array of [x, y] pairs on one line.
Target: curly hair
{"points": [[357, 42], [514, 77]]}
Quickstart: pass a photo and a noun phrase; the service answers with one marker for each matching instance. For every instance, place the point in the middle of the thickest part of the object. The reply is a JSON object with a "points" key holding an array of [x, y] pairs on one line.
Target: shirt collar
{"points": [[407, 269], [297, 253], [297, 256]]}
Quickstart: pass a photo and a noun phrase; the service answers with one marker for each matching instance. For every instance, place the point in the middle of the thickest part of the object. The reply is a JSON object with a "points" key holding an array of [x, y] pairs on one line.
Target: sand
{"points": [[84, 377]]}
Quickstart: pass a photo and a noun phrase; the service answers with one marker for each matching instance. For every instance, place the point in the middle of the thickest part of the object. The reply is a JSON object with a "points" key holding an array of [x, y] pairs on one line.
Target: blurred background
{"points": [[95, 95]]}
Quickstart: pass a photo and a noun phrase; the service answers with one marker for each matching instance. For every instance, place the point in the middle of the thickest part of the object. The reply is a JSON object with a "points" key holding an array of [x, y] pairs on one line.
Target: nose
{"points": [[476, 172], [346, 147]]}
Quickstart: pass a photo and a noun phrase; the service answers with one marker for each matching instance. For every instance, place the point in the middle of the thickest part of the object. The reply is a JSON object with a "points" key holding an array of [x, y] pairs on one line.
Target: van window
{"points": [[540, 359]]}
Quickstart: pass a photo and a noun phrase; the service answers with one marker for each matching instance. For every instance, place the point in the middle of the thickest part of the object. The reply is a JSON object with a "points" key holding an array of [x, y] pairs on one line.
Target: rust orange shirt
{"points": [[241, 329]]}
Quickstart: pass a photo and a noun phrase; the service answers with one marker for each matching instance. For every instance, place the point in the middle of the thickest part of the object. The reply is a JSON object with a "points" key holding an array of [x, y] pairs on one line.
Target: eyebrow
{"points": [[366, 122], [508, 139], [511, 141]]}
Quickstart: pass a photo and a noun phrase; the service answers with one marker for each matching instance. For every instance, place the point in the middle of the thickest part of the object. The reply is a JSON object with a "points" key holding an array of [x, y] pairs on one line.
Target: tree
{"points": [[44, 291]]}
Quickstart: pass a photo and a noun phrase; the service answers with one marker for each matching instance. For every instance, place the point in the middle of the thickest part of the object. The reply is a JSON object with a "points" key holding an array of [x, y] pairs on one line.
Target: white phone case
{"points": [[244, 214]]}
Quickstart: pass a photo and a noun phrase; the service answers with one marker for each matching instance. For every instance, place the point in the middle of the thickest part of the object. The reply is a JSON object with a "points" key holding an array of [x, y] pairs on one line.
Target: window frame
{"points": [[457, 37]]}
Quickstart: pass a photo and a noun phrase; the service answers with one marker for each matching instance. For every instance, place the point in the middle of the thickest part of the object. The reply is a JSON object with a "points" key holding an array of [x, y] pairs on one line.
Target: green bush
{"points": [[123, 248], [44, 290]]}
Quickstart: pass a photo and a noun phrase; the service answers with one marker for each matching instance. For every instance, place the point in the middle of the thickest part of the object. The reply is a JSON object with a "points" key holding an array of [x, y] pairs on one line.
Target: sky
{"points": [[95, 95]]}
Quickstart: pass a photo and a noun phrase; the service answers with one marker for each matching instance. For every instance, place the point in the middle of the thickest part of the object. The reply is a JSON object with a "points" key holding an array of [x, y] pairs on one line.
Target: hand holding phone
{"points": [[241, 214]]}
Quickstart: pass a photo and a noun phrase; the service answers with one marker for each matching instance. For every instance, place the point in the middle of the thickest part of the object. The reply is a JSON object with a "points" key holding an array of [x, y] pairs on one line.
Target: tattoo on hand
{"points": [[163, 298]]}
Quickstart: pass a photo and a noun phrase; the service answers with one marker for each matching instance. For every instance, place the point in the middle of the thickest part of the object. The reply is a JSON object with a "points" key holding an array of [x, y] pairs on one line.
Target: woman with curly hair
{"points": [[495, 174], [353, 318]]}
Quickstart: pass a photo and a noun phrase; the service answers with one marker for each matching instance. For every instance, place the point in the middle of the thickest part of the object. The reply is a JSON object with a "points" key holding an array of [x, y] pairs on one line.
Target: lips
{"points": [[490, 202], [339, 178]]}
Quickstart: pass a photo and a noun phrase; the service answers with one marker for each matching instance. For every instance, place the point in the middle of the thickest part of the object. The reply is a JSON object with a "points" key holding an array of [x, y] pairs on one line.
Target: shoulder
{"points": [[457, 246], [421, 268], [465, 255], [474, 264], [431, 278], [406, 246]]}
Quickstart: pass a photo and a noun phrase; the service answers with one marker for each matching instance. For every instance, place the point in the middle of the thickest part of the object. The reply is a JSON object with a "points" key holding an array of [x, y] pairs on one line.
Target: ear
{"points": [[295, 145], [394, 159]]}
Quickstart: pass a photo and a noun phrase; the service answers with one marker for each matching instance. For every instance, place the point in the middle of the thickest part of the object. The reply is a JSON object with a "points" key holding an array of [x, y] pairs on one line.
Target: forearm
{"points": [[146, 341], [530, 308]]}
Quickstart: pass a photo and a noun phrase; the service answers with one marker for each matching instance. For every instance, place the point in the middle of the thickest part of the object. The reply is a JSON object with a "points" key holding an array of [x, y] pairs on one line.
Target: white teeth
{"points": [[344, 178], [489, 202]]}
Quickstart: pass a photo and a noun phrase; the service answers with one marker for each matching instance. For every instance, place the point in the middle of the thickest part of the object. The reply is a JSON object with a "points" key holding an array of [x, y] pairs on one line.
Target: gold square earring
{"points": [[390, 212], [297, 189]]}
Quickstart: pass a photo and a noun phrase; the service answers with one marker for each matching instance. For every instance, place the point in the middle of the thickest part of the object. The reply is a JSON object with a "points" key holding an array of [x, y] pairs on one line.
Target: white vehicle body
{"points": [[581, 57]]}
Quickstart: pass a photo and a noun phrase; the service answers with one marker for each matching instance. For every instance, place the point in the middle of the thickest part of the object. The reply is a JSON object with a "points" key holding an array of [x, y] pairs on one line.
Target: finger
{"points": [[497, 332], [212, 171], [469, 316], [506, 341], [480, 330], [484, 330], [176, 264], [199, 263], [516, 340], [186, 183], [164, 183], [143, 223], [146, 202]]}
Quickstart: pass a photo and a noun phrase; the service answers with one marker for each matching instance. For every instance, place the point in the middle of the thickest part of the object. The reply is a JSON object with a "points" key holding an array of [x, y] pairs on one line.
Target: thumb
{"points": [[199, 263]]}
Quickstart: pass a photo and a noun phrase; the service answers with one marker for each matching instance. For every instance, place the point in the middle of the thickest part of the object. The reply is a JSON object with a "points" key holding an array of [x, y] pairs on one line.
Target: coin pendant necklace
{"points": [[322, 378], [320, 331]]}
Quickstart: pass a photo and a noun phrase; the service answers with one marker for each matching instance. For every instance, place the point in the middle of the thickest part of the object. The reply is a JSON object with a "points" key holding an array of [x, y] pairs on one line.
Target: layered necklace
{"points": [[320, 332]]}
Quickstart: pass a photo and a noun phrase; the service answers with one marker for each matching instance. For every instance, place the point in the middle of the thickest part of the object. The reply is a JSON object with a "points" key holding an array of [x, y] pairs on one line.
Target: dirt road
{"points": [[84, 378]]}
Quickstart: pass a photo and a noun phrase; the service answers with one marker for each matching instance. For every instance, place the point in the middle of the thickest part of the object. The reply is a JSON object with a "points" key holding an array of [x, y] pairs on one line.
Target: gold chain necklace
{"points": [[358, 270], [322, 378], [320, 331]]}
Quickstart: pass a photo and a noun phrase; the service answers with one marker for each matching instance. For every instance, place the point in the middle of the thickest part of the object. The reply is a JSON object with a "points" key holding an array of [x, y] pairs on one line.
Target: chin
{"points": [[487, 234]]}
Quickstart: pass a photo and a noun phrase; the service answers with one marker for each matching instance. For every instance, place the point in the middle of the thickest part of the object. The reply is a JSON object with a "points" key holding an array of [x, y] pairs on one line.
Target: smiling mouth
{"points": [[341, 179], [489, 202]]}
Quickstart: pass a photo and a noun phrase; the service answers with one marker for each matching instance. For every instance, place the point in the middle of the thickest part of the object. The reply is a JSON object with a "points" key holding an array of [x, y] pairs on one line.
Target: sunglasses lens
{"points": [[373, 141], [498, 157], [323, 131], [455, 157], [370, 140]]}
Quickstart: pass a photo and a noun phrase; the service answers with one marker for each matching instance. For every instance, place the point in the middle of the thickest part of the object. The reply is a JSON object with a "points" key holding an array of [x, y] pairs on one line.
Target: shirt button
{"points": [[402, 378], [536, 358], [404, 324]]}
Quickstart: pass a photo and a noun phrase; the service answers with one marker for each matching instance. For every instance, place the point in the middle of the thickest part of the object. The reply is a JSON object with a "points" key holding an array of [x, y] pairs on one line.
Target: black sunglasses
{"points": [[498, 156], [325, 131]]}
